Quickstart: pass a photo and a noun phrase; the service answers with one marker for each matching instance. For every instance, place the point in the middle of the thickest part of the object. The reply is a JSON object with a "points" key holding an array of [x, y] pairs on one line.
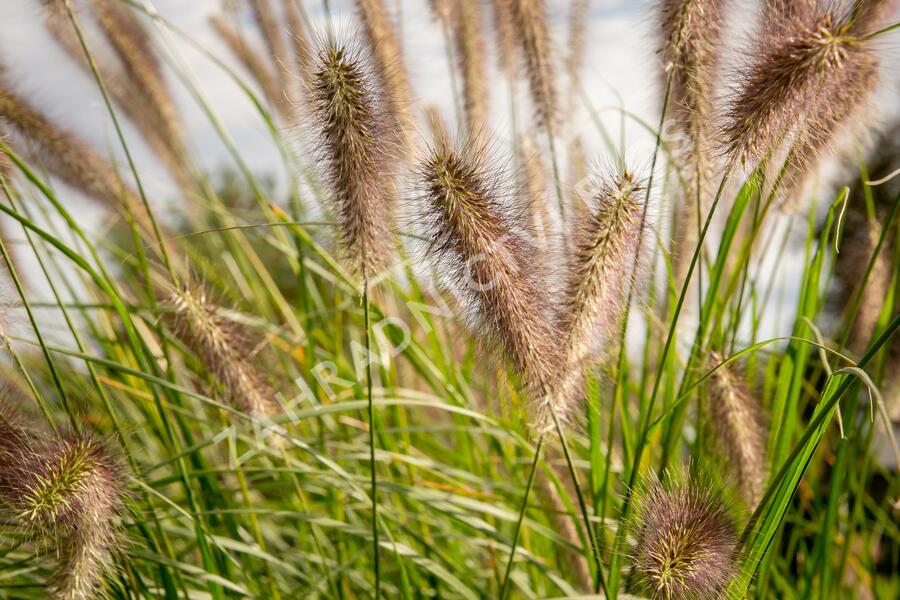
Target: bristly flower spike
{"points": [[686, 538], [605, 243], [529, 20], [71, 491], [690, 51], [221, 345], [359, 148], [812, 70], [737, 421], [476, 241]]}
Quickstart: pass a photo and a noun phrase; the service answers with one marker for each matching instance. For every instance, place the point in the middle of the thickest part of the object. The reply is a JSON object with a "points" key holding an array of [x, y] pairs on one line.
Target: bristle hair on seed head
{"points": [[736, 417], [810, 72], [486, 259], [358, 146], [685, 535], [221, 345]]}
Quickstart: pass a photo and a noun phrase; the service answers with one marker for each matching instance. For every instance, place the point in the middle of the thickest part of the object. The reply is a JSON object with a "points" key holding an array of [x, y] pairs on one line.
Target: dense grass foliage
{"points": [[491, 369]]}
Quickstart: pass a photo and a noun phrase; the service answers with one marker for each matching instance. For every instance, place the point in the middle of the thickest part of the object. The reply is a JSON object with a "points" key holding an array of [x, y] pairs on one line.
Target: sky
{"points": [[620, 70]]}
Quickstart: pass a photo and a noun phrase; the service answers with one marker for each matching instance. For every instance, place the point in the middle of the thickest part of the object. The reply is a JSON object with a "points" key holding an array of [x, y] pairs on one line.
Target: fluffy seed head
{"points": [[488, 260], [138, 57], [505, 36], [604, 249], [578, 24], [469, 42], [529, 19], [71, 491], [736, 419], [387, 57], [69, 157], [811, 71], [221, 345], [690, 50], [686, 539], [131, 100], [358, 149]]}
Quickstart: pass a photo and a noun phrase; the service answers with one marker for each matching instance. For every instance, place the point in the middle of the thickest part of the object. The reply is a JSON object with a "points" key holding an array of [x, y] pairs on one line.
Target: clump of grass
{"points": [[158, 366]]}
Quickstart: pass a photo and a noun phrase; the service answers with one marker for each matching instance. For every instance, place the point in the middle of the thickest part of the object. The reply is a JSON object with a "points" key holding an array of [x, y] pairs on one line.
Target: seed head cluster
{"points": [[530, 27], [605, 243], [686, 539], [488, 260], [221, 344], [690, 51]]}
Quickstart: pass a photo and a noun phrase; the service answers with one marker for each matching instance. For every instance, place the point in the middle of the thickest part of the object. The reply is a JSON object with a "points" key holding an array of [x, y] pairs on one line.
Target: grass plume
{"points": [[469, 40], [134, 47], [529, 19], [70, 158], [473, 237], [69, 490], [358, 149], [686, 539], [811, 70], [387, 58], [504, 35], [604, 247], [736, 418], [221, 345]]}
